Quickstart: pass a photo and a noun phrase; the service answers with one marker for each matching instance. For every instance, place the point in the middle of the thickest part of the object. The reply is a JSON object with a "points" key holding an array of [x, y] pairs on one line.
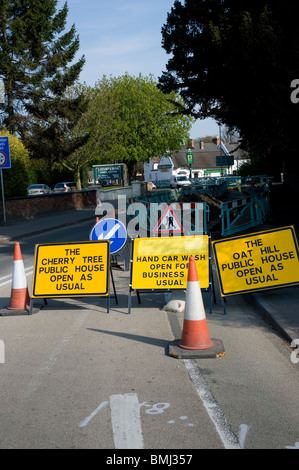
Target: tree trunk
{"points": [[78, 179]]}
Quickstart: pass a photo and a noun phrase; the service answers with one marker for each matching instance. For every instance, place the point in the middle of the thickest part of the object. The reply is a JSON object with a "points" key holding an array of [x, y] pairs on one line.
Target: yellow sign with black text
{"points": [[257, 261], [71, 270], [162, 263]]}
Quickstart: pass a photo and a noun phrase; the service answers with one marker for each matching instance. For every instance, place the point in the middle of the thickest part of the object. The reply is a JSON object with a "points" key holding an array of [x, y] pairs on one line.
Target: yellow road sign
{"points": [[71, 270], [162, 263], [258, 261]]}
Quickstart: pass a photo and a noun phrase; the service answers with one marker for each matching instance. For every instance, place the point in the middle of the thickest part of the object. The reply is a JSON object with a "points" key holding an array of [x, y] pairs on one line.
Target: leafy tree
{"points": [[37, 64], [234, 60], [97, 126], [130, 120], [51, 141], [17, 179]]}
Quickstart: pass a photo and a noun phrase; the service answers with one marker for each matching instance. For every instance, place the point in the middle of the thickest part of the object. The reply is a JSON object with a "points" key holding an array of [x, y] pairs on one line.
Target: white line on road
{"points": [[125, 419], [243, 431], [92, 415], [228, 438], [8, 278]]}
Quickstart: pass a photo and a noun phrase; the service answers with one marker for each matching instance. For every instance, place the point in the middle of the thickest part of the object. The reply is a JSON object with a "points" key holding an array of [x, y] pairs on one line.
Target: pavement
{"points": [[278, 307]]}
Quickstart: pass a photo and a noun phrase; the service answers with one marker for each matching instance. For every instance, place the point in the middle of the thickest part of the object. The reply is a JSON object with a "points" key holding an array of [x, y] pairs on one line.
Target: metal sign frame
{"points": [[4, 151]]}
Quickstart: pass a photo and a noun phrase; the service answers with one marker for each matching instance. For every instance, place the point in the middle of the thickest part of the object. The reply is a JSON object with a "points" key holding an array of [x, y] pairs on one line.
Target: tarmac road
{"points": [[74, 375], [71, 370]]}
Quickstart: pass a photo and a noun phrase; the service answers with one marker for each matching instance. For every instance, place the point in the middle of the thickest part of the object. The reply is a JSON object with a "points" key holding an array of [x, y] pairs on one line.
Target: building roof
{"points": [[236, 151], [205, 153], [201, 159]]}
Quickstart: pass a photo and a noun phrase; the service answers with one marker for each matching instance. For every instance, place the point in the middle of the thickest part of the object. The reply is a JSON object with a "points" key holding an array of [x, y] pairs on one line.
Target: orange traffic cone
{"points": [[19, 299], [195, 334]]}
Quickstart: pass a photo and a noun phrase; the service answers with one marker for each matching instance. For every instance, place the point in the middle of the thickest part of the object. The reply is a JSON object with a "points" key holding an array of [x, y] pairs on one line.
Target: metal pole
{"points": [[3, 200]]}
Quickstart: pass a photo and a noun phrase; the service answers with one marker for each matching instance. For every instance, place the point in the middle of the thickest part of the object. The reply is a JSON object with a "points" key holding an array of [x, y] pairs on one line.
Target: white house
{"points": [[204, 161]]}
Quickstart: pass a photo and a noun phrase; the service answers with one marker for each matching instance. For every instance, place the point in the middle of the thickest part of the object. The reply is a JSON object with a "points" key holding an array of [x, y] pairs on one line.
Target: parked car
{"points": [[179, 181], [37, 189], [64, 187]]}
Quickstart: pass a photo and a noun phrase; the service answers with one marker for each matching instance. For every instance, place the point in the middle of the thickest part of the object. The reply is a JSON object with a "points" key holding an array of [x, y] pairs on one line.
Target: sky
{"points": [[119, 36]]}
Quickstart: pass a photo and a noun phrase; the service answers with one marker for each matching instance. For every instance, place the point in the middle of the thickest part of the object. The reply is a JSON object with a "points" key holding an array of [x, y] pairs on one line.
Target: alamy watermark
{"points": [[2, 352], [295, 353], [2, 91], [143, 219], [295, 93]]}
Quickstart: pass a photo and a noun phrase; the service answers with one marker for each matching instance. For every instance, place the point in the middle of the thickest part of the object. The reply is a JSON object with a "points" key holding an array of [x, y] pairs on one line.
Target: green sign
{"points": [[108, 172], [163, 167], [214, 170], [189, 157], [222, 160]]}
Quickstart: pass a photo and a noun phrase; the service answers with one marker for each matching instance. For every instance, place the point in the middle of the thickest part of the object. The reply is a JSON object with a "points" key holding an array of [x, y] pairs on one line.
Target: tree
{"points": [[35, 54], [130, 120], [17, 179], [97, 125], [51, 141], [234, 60]]}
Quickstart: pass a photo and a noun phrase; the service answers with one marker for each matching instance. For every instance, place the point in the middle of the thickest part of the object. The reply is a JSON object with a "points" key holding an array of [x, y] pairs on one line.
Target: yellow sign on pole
{"points": [[71, 270], [162, 263], [258, 261]]}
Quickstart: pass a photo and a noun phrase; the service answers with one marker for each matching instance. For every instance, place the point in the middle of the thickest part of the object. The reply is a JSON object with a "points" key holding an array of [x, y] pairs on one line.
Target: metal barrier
{"points": [[212, 188], [236, 216], [193, 217], [248, 180], [162, 184], [231, 180], [241, 214]]}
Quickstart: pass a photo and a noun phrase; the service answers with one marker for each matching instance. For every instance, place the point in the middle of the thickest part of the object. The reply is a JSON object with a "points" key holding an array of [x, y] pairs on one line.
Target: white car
{"points": [[64, 187], [38, 189], [179, 182]]}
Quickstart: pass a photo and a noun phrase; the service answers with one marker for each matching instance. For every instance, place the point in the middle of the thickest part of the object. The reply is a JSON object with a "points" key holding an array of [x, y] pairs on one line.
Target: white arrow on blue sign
{"points": [[110, 229]]}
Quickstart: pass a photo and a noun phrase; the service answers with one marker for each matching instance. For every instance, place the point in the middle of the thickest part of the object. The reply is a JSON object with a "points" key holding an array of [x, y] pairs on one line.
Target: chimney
{"points": [[190, 144], [201, 145], [216, 140]]}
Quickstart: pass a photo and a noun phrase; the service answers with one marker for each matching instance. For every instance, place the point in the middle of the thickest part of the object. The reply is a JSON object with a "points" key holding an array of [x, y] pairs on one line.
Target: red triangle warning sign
{"points": [[168, 223]]}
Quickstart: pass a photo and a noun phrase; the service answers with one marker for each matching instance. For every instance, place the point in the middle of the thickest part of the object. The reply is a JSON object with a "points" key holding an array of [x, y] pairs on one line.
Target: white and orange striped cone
{"points": [[19, 299], [195, 341], [195, 329]]}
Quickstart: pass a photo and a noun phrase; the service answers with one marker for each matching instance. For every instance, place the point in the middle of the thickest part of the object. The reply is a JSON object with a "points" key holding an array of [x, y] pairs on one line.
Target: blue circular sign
{"points": [[110, 229]]}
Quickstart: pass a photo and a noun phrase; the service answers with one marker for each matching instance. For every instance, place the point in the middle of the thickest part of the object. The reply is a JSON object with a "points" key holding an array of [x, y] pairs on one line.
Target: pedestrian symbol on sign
{"points": [[169, 222]]}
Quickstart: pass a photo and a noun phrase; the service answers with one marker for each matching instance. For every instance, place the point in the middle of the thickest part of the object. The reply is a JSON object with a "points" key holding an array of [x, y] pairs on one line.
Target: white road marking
{"points": [[216, 415], [7, 279], [92, 415], [243, 431], [125, 419]]}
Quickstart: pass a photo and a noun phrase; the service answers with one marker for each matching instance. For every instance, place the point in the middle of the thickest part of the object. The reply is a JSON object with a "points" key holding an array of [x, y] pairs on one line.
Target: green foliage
{"points": [[130, 120], [234, 60], [37, 63], [17, 179], [255, 166], [52, 142]]}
